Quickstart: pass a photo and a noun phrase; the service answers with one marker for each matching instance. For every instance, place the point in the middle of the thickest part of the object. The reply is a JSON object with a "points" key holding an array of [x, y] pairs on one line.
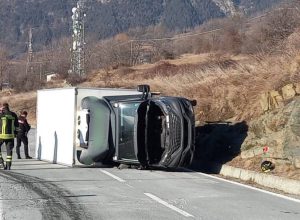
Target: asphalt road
{"points": [[38, 190]]}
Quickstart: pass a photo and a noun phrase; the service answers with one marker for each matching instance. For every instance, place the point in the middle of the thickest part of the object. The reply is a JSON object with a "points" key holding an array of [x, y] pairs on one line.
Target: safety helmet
{"points": [[267, 166]]}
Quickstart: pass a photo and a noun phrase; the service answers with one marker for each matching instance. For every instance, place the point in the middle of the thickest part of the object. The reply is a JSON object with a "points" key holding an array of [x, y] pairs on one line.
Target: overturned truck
{"points": [[98, 126]]}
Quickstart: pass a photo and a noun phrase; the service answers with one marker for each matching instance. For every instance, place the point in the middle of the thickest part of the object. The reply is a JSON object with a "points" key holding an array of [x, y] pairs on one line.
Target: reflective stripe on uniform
{"points": [[8, 127], [8, 158]]}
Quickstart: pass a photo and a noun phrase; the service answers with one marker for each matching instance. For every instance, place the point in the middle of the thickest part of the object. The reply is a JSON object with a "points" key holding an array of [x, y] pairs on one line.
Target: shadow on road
{"points": [[217, 143]]}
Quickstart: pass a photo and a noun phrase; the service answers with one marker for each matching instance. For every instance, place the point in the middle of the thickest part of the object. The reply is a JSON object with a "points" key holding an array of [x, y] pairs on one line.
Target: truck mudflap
{"points": [[99, 128], [165, 132]]}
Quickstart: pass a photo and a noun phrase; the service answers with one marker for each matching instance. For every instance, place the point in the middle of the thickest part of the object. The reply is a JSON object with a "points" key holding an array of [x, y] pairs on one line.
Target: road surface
{"points": [[39, 190]]}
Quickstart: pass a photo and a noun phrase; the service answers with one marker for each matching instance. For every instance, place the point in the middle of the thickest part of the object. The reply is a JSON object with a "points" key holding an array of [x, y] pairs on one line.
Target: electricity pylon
{"points": [[78, 39]]}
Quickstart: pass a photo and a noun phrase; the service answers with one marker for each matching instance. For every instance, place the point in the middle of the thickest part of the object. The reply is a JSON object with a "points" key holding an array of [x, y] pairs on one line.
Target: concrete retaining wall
{"points": [[280, 183]]}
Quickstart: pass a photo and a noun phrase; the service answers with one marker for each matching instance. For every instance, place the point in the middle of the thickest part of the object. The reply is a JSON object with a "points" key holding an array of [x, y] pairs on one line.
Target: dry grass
{"points": [[190, 59], [21, 101], [226, 87]]}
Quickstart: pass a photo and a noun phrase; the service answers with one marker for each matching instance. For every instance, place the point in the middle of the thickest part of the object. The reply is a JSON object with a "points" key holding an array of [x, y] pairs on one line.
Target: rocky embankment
{"points": [[240, 144], [278, 128]]}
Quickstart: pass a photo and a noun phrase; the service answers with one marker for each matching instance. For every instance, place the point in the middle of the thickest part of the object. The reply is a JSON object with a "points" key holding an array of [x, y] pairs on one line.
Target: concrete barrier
{"points": [[264, 179]]}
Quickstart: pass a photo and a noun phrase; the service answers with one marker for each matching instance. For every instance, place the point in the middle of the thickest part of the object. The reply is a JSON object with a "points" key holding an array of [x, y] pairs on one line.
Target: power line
{"points": [[204, 32]]}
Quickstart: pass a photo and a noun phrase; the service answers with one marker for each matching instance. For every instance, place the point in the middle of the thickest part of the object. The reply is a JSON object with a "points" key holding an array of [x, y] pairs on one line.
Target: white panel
{"points": [[56, 120], [55, 125]]}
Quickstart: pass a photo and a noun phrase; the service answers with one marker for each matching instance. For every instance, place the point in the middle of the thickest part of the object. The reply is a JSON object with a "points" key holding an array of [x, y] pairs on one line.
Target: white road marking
{"points": [[113, 176], [129, 185], [155, 198], [250, 187]]}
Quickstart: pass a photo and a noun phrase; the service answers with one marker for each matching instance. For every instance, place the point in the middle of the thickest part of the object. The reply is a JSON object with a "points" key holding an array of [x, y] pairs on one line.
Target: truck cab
{"points": [[139, 129]]}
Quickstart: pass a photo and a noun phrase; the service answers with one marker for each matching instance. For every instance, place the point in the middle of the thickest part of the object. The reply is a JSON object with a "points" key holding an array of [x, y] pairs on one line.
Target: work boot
{"points": [[7, 167], [28, 157]]}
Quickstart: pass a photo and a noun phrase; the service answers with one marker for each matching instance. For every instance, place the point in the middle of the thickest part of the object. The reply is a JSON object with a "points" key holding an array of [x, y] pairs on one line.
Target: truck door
{"points": [[126, 120]]}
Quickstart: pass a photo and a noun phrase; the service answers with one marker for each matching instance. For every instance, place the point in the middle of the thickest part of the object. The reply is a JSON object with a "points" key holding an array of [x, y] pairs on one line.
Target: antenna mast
{"points": [[30, 52], [78, 39]]}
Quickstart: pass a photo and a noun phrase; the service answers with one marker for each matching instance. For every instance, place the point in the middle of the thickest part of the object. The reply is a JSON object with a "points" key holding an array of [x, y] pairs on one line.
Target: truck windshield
{"points": [[127, 113]]}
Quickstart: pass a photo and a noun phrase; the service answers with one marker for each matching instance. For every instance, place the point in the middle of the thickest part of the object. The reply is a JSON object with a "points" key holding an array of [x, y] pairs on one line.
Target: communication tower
{"points": [[29, 65], [78, 39]]}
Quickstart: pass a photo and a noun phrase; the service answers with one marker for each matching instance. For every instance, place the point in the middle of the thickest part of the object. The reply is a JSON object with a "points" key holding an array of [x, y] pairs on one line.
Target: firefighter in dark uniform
{"points": [[2, 165], [24, 127], [1, 142], [8, 125]]}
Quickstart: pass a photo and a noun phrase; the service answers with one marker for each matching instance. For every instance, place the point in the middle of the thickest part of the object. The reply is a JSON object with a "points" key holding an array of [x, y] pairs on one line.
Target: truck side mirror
{"points": [[145, 89], [193, 102]]}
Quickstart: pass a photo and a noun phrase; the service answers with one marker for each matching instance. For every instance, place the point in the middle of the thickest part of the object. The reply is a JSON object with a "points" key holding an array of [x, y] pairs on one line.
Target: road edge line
{"points": [[246, 186]]}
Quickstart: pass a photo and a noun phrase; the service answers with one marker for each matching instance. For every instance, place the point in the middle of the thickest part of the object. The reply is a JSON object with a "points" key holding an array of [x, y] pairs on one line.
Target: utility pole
{"points": [[78, 39], [30, 52], [131, 63]]}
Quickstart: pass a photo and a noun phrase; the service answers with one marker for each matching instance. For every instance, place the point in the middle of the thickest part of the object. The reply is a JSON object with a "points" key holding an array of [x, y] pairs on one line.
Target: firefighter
{"points": [[1, 142], [24, 127], [8, 124]]}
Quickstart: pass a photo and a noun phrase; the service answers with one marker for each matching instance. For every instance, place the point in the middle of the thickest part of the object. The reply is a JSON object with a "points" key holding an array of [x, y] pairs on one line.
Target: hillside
{"points": [[51, 20]]}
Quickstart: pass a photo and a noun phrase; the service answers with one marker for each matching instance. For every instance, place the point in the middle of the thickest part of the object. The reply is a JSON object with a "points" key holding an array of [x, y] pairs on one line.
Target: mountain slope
{"points": [[51, 19]]}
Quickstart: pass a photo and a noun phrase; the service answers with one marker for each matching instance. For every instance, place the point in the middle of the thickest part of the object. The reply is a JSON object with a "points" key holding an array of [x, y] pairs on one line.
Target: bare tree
{"points": [[4, 64]]}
